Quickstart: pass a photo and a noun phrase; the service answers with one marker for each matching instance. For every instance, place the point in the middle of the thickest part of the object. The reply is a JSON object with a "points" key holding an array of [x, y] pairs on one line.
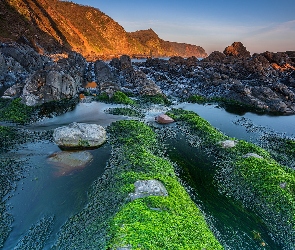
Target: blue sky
{"points": [[260, 25]]}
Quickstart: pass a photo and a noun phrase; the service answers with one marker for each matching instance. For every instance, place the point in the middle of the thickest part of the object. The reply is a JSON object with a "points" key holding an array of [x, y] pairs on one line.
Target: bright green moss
{"points": [[198, 124], [172, 222], [260, 183], [197, 99]]}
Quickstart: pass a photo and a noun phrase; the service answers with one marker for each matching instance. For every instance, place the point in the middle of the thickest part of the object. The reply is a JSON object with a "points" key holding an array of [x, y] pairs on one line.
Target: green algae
{"points": [[15, 111], [172, 222], [131, 112], [111, 220], [155, 99], [260, 183], [118, 97]]}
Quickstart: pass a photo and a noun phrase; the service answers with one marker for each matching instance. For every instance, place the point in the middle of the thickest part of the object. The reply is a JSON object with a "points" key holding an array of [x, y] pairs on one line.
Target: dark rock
{"points": [[280, 58], [26, 56], [215, 56], [125, 62], [237, 49], [108, 80]]}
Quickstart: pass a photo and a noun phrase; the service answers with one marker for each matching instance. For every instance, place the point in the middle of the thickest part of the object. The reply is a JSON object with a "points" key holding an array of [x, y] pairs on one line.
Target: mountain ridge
{"points": [[60, 26]]}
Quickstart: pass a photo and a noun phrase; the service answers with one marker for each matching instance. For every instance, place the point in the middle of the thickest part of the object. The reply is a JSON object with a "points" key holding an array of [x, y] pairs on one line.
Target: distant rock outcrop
{"points": [[237, 49]]}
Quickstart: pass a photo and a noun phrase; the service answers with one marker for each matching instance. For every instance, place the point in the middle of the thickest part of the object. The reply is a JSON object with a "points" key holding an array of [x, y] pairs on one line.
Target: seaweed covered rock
{"points": [[79, 135]]}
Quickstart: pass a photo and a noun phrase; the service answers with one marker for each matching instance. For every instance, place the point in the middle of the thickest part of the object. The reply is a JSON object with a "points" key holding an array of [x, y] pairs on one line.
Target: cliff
{"points": [[158, 47], [58, 26]]}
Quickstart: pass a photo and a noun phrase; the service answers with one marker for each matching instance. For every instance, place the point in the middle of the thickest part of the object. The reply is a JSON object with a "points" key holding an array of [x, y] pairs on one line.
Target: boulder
{"points": [[215, 56], [228, 143], [163, 119], [107, 79], [237, 49], [60, 80], [279, 58], [125, 62], [79, 135], [67, 162], [148, 188]]}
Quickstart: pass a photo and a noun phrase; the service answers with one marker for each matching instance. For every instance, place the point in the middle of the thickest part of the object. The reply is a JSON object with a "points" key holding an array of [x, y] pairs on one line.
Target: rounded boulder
{"points": [[79, 135]]}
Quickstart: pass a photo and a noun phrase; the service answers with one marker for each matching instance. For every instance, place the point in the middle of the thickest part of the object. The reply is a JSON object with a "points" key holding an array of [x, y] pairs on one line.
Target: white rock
{"points": [[148, 188], [252, 155], [228, 143], [79, 135]]}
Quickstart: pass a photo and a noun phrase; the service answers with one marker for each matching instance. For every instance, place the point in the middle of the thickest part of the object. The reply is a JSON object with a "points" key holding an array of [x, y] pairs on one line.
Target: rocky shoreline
{"points": [[264, 82]]}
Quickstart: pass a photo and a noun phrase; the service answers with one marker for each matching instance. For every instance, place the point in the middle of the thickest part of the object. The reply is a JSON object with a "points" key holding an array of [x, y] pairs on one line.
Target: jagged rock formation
{"points": [[61, 26], [264, 82], [237, 49], [158, 47]]}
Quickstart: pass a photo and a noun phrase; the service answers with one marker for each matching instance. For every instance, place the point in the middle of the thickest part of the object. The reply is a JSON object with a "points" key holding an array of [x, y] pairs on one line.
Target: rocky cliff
{"points": [[58, 26], [158, 47]]}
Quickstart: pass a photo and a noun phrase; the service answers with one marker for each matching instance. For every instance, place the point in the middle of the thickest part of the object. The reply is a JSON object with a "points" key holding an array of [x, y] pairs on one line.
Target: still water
{"points": [[43, 192], [47, 190]]}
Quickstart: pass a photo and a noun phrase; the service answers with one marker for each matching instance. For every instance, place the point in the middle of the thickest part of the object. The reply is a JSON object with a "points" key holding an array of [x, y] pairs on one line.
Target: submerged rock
{"points": [[163, 119], [148, 188], [67, 162], [79, 135]]}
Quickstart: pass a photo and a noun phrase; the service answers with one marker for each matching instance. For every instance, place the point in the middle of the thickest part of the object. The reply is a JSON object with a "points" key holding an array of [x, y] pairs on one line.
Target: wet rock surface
{"points": [[163, 119], [265, 82], [79, 135], [67, 162]]}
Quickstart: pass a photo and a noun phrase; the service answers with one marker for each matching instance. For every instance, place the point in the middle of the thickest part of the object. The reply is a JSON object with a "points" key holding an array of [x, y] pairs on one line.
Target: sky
{"points": [[261, 25]]}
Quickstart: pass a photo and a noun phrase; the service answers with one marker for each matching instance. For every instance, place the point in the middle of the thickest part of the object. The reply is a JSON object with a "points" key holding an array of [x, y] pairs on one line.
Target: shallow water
{"points": [[233, 225], [236, 125], [44, 193]]}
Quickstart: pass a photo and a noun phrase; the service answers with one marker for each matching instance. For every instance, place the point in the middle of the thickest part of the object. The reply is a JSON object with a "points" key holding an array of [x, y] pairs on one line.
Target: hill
{"points": [[57, 26], [158, 47]]}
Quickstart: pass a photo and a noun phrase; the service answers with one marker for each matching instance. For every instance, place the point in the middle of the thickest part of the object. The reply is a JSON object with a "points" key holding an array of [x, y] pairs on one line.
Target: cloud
{"points": [[278, 37]]}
